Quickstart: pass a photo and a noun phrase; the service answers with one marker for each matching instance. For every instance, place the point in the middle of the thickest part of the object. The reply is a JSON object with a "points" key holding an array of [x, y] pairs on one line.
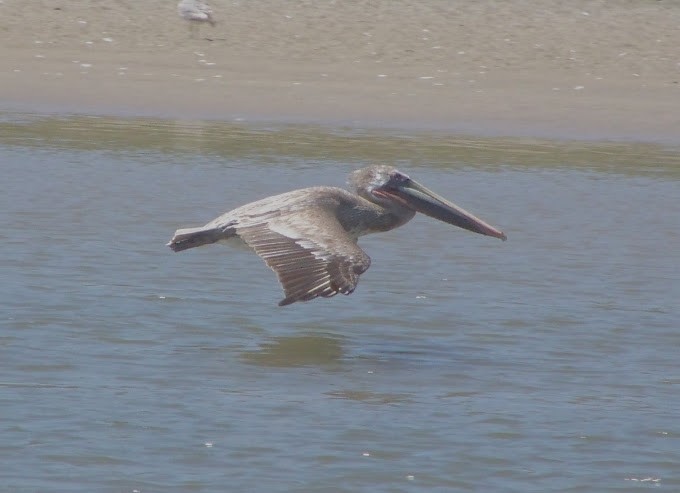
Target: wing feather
{"points": [[310, 252]]}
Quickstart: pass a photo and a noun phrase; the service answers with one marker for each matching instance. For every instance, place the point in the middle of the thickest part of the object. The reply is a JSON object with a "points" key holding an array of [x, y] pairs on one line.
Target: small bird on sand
{"points": [[308, 237], [195, 11]]}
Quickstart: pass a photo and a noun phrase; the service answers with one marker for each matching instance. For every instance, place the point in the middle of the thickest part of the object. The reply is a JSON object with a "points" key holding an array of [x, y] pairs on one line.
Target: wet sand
{"points": [[576, 70]]}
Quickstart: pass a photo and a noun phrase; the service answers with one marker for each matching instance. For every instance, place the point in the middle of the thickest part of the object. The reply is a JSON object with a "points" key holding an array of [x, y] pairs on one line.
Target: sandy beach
{"points": [[569, 70]]}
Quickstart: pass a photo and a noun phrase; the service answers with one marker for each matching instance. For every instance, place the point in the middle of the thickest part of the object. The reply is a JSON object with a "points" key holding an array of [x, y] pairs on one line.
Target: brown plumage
{"points": [[308, 237]]}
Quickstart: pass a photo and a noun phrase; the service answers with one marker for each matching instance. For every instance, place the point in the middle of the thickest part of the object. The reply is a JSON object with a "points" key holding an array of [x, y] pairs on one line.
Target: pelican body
{"points": [[308, 237]]}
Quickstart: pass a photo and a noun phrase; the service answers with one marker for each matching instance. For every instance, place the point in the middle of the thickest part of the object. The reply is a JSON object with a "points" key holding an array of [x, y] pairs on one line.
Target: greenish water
{"points": [[545, 363], [229, 140]]}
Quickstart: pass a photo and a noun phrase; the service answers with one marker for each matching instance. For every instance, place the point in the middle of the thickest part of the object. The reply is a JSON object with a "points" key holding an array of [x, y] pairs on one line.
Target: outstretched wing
{"points": [[310, 252]]}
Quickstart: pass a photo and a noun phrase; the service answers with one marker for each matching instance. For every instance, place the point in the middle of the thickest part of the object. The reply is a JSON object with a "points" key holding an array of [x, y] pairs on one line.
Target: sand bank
{"points": [[581, 69]]}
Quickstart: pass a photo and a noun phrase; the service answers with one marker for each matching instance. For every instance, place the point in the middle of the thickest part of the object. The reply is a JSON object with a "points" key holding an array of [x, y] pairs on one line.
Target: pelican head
{"points": [[387, 186]]}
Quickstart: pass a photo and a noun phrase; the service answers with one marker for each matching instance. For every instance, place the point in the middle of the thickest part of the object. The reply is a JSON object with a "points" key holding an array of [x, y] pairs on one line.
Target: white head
{"points": [[368, 182]]}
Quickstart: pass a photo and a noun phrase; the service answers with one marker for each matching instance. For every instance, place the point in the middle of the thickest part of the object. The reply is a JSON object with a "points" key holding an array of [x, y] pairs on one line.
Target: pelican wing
{"points": [[310, 252]]}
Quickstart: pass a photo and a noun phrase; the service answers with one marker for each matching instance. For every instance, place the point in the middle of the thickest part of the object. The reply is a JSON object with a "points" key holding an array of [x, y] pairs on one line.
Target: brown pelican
{"points": [[308, 237]]}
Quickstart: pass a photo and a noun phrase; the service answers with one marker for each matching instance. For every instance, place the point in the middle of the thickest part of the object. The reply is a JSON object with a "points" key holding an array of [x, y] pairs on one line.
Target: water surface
{"points": [[545, 363]]}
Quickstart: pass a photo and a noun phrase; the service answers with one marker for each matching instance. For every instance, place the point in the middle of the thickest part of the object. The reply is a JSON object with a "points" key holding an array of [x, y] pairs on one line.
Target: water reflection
{"points": [[292, 351], [231, 141], [370, 397]]}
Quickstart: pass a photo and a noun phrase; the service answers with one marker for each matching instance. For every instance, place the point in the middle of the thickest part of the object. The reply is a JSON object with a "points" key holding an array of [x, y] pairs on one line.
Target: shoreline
{"points": [[492, 69]]}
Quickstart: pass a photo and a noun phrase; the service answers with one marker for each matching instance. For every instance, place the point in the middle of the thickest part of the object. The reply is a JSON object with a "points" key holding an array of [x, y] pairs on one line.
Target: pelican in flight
{"points": [[308, 237]]}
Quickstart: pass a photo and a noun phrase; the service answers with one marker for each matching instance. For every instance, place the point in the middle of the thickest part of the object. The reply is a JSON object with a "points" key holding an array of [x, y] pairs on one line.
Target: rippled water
{"points": [[545, 363]]}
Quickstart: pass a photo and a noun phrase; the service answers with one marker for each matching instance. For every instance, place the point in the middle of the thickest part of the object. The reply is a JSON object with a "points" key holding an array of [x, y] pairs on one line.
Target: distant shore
{"points": [[548, 69]]}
